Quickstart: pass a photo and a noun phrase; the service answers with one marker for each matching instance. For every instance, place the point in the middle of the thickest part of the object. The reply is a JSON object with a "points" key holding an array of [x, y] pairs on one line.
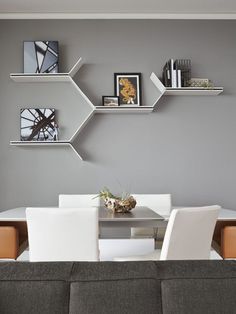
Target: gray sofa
{"points": [[169, 287]]}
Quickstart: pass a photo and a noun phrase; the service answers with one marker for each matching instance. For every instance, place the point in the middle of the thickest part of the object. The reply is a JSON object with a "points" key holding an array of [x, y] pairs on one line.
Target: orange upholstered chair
{"points": [[9, 242], [228, 242]]}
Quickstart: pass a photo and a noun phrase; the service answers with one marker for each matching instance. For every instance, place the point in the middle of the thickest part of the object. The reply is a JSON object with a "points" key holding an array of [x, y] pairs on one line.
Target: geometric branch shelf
{"points": [[45, 143], [68, 77], [189, 91]]}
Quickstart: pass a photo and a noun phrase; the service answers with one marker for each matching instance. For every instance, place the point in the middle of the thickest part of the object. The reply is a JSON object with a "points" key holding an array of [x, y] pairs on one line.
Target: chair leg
{"points": [[155, 233]]}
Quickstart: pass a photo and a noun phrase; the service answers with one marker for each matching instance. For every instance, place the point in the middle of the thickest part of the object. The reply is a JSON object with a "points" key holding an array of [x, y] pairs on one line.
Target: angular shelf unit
{"points": [[68, 143], [136, 109], [45, 144], [46, 77], [54, 77], [68, 77], [189, 91], [123, 109]]}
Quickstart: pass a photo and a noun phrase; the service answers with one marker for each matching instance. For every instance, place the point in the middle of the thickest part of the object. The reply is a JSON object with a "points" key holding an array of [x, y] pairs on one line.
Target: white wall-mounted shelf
{"points": [[46, 144], [189, 91], [40, 78], [39, 143], [123, 109], [68, 77], [46, 77]]}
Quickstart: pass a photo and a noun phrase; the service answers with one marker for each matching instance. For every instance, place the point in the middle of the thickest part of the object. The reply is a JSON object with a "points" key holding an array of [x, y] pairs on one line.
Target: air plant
{"points": [[120, 204]]}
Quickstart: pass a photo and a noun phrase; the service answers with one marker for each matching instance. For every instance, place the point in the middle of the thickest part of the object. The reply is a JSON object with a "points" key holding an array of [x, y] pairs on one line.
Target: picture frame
{"points": [[41, 56], [38, 124], [110, 101], [128, 88]]}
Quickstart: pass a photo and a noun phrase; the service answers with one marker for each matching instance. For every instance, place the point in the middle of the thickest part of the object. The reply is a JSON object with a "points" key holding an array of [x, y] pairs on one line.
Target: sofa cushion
{"points": [[34, 288], [132, 296], [197, 296], [37, 297], [108, 287]]}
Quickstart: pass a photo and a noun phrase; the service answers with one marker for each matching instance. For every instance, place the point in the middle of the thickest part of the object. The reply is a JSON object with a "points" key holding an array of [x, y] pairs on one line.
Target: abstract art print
{"points": [[41, 56], [128, 88], [38, 125]]}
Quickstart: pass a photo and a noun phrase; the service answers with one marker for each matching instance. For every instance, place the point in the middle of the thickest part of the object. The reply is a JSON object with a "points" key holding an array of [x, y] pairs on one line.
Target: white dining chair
{"points": [[188, 235], [63, 234], [159, 203], [78, 200]]}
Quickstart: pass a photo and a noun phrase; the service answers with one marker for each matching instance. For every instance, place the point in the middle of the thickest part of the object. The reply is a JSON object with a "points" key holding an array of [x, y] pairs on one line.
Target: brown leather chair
{"points": [[228, 242]]}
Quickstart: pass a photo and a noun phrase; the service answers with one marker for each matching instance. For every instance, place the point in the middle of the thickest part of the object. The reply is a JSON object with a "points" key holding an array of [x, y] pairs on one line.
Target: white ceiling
{"points": [[106, 8]]}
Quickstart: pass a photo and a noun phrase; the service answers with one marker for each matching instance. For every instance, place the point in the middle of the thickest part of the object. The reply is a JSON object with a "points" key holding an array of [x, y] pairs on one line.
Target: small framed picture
{"points": [[38, 124], [110, 101], [128, 88]]}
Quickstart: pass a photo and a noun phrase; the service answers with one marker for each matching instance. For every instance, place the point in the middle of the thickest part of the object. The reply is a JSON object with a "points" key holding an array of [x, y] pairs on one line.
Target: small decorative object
{"points": [[41, 57], [118, 204], [128, 88], [110, 101], [38, 125], [200, 83], [56, 132]]}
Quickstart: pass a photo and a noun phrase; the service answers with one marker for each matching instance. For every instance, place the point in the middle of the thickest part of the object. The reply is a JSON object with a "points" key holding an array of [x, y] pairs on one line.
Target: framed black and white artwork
{"points": [[41, 56], [38, 124], [110, 101], [128, 88]]}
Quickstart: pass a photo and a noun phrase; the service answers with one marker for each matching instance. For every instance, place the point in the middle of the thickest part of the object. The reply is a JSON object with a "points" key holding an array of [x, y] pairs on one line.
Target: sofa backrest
{"points": [[119, 288]]}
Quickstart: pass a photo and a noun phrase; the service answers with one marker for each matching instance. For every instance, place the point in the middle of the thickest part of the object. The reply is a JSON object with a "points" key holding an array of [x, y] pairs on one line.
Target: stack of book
{"points": [[177, 74]]}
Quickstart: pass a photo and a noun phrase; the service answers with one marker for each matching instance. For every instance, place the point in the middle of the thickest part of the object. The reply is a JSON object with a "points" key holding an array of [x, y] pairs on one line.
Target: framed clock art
{"points": [[38, 125]]}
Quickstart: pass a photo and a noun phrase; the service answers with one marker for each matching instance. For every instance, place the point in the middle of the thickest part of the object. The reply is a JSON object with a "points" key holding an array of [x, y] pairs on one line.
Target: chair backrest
{"points": [[189, 233], [160, 203], [78, 200], [63, 234]]}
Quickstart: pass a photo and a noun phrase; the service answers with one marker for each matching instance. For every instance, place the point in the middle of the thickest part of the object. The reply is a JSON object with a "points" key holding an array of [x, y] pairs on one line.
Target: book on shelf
{"points": [[176, 74], [166, 76], [179, 83], [173, 74]]}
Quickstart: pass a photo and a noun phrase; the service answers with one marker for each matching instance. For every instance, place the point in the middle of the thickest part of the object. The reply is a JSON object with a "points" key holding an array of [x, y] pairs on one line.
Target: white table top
{"points": [[18, 214]]}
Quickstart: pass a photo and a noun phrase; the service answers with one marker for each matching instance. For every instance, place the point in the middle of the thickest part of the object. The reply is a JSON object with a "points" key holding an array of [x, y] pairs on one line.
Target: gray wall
{"points": [[187, 147]]}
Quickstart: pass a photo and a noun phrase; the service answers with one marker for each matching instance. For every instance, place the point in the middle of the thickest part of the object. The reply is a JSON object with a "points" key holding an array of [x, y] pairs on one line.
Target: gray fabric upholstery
{"points": [[121, 296], [199, 296], [36, 297], [167, 287], [34, 288]]}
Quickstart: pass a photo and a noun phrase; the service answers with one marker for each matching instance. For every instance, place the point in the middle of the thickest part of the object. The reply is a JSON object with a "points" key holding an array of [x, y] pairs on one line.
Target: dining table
{"points": [[118, 225]]}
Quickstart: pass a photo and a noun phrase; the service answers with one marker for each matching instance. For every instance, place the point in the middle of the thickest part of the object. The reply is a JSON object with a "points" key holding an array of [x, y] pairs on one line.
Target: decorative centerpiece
{"points": [[118, 204]]}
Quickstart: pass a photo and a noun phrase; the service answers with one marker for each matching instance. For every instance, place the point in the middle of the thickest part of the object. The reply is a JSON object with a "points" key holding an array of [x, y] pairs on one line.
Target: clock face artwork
{"points": [[38, 124]]}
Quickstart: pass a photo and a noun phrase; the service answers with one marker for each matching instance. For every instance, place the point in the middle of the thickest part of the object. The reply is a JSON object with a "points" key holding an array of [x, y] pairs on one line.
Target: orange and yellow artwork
{"points": [[128, 88], [127, 91]]}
